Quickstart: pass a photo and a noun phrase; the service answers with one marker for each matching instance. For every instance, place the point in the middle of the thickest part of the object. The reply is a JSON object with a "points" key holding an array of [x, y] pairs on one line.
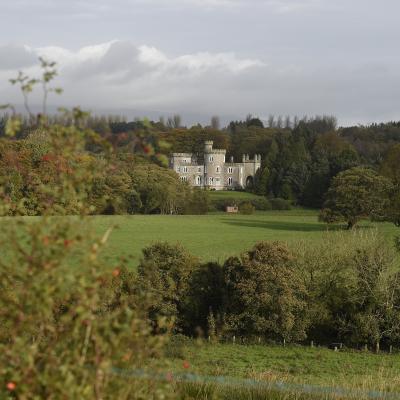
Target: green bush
{"points": [[220, 205], [246, 208], [197, 202], [262, 204], [280, 204]]}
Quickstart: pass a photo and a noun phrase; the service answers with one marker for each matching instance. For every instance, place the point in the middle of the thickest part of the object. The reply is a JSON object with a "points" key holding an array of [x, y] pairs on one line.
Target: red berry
{"points": [[11, 386], [116, 272], [146, 149]]}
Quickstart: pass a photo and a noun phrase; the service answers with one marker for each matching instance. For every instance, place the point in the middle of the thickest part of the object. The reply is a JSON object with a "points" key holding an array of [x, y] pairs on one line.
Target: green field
{"points": [[318, 365], [217, 236]]}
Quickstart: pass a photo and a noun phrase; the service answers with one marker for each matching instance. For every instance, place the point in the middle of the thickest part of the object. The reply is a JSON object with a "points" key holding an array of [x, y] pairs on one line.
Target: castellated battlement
{"points": [[218, 151]]}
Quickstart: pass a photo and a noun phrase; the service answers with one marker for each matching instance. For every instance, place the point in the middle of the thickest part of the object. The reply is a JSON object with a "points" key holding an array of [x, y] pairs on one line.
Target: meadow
{"points": [[214, 237], [294, 363], [297, 371]]}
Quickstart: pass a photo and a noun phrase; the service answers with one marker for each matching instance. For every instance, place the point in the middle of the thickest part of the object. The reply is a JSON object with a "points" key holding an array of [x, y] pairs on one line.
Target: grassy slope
{"points": [[224, 194], [215, 236]]}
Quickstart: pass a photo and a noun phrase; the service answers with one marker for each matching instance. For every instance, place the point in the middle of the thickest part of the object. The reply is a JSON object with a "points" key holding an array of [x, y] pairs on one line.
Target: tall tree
{"points": [[354, 194]]}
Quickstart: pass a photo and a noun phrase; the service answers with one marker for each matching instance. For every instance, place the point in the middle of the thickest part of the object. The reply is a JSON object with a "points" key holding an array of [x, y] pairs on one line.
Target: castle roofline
{"points": [[217, 151], [182, 154]]}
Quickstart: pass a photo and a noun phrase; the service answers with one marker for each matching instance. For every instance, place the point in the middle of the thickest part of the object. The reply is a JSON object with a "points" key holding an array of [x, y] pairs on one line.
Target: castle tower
{"points": [[214, 162], [251, 166]]}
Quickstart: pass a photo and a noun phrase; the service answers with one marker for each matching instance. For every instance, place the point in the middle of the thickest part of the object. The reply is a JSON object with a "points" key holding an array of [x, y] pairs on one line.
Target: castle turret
{"points": [[214, 161], [208, 146]]}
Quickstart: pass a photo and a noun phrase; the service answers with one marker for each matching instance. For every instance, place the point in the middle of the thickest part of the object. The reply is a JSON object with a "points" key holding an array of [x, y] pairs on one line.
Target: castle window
{"points": [[184, 178], [198, 180], [211, 159], [218, 169], [211, 180], [178, 169], [230, 181], [230, 170], [199, 169], [185, 169]]}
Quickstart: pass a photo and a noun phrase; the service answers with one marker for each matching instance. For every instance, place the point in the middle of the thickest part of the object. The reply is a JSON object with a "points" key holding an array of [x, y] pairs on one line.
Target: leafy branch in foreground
{"points": [[66, 314]]}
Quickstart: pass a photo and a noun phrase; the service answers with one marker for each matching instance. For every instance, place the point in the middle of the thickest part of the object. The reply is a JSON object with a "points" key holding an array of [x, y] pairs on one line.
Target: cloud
{"points": [[125, 75], [16, 57], [118, 75], [281, 6], [91, 8]]}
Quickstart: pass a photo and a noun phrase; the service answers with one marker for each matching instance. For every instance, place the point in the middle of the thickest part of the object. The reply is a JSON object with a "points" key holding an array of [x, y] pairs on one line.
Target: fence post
{"points": [[312, 343], [284, 342], [391, 349], [259, 340], [234, 339]]}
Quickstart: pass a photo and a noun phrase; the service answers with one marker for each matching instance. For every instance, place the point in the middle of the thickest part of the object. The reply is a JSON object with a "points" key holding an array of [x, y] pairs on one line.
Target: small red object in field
{"points": [[186, 365], [169, 377], [146, 149], [67, 242], [11, 386]]}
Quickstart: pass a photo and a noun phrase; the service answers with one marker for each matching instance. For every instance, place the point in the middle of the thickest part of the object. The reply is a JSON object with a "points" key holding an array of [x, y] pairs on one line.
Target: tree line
{"points": [[344, 289], [299, 160]]}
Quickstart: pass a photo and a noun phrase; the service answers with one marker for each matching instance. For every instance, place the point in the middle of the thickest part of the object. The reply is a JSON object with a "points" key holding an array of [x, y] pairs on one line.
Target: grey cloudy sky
{"points": [[206, 57]]}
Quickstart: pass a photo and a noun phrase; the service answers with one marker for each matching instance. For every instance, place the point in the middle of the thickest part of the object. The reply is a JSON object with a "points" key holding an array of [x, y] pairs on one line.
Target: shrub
{"points": [[66, 318], [353, 291], [220, 205], [246, 208], [280, 204], [261, 204], [197, 202]]}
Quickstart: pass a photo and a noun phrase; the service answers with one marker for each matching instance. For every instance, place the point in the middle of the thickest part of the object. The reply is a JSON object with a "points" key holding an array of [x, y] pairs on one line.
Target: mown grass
{"points": [[218, 236]]}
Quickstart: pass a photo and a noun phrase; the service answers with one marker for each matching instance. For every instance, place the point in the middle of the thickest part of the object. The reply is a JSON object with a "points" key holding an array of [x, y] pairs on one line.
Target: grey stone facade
{"points": [[212, 171]]}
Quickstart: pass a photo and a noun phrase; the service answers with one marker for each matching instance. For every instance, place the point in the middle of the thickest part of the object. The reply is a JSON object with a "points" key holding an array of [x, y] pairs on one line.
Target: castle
{"points": [[212, 171]]}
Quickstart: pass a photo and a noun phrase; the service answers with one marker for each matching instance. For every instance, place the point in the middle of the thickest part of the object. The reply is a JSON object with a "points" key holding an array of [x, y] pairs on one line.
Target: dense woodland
{"points": [[299, 157]]}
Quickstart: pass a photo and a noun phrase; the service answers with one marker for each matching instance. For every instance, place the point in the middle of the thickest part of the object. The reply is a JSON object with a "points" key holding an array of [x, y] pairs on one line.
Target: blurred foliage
{"points": [[66, 317]]}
